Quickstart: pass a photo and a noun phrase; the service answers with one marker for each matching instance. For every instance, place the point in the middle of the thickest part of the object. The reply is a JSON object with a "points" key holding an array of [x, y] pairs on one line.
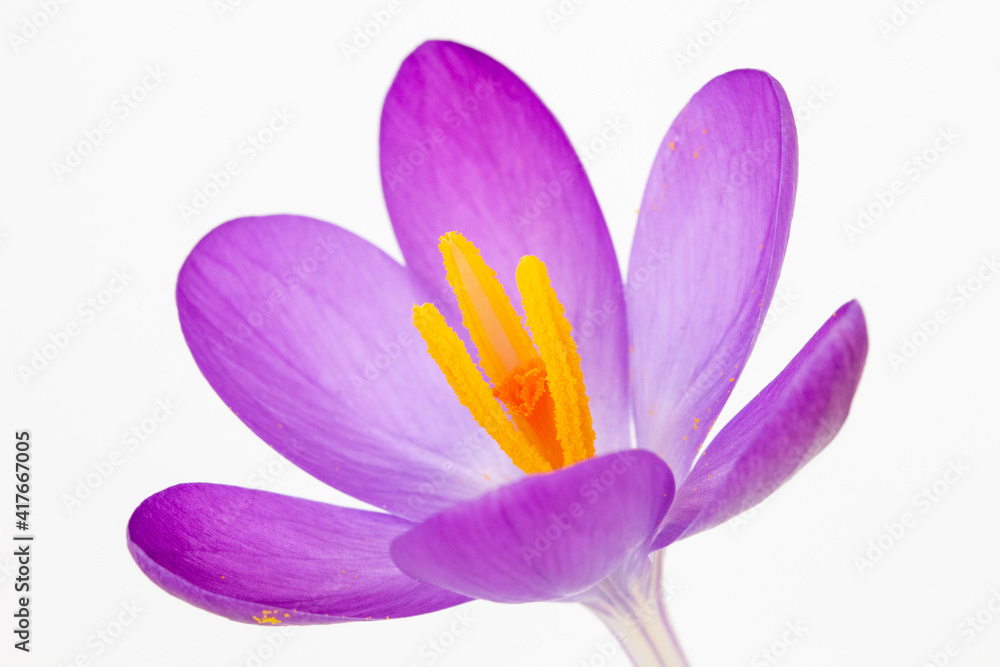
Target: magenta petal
{"points": [[305, 331], [260, 557], [465, 145], [777, 433], [546, 537], [706, 256]]}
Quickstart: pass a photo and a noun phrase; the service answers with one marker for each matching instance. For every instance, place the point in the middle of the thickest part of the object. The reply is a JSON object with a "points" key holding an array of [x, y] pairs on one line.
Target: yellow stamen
{"points": [[491, 321], [521, 390], [453, 359], [551, 332], [547, 421]]}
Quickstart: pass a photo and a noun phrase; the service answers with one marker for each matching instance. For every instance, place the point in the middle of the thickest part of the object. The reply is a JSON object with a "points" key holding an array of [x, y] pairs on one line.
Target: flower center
{"points": [[532, 400]]}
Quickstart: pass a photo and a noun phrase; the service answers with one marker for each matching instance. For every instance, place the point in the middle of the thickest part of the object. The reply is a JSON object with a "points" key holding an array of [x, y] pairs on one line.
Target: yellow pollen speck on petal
{"points": [[705, 131], [732, 379], [695, 155], [288, 615], [671, 145], [265, 617]]}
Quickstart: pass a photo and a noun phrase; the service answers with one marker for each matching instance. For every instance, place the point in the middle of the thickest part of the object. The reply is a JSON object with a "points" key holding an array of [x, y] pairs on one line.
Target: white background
{"points": [[884, 98]]}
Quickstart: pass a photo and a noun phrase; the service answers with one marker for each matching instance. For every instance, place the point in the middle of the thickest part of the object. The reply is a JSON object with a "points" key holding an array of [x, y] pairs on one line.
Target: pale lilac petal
{"points": [[305, 332], [263, 558], [706, 256], [546, 537], [777, 433], [465, 145]]}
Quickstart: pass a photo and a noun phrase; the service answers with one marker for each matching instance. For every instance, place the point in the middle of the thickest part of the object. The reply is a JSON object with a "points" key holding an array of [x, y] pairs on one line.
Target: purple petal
{"points": [[706, 256], [467, 146], [546, 537], [259, 557], [777, 433], [305, 332]]}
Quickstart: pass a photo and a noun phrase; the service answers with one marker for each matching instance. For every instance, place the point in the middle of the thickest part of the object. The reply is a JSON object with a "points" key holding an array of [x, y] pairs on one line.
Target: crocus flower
{"points": [[495, 443]]}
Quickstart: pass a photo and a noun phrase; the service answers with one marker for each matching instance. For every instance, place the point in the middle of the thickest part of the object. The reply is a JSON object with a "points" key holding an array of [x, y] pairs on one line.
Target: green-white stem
{"points": [[635, 611]]}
